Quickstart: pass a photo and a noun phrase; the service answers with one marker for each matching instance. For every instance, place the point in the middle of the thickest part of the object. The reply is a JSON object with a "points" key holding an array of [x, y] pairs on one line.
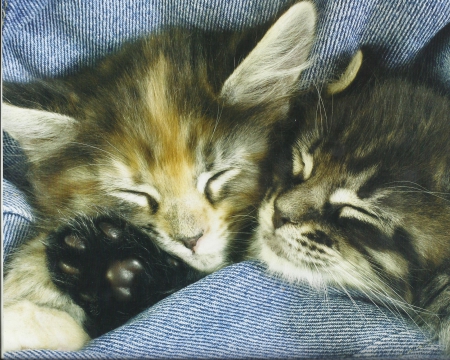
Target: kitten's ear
{"points": [[346, 79], [272, 69], [40, 133]]}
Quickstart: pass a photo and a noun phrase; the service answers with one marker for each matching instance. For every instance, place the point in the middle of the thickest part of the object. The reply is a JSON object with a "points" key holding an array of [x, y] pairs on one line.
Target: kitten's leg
{"points": [[36, 314]]}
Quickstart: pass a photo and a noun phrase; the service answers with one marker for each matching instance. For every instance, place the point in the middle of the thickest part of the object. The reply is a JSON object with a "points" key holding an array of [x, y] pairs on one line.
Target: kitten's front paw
{"points": [[95, 259], [29, 326], [97, 264], [112, 270]]}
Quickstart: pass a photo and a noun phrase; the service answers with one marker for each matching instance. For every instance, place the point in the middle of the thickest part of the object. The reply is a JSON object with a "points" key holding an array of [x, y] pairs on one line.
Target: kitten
{"points": [[366, 201], [168, 135]]}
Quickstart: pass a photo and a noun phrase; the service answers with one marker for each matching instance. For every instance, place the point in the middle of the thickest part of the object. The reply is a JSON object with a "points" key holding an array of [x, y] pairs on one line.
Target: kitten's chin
{"points": [[207, 262], [286, 269], [202, 260], [208, 255]]}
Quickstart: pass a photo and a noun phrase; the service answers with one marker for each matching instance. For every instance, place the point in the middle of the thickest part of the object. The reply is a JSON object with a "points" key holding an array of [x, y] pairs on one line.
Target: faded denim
{"points": [[240, 311]]}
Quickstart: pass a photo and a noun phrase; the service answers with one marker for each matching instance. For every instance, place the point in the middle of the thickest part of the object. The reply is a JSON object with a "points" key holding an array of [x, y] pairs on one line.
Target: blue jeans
{"points": [[240, 311]]}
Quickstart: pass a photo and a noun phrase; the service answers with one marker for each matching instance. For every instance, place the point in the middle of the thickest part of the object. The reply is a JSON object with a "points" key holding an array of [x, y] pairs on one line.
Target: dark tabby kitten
{"points": [[366, 202], [167, 134]]}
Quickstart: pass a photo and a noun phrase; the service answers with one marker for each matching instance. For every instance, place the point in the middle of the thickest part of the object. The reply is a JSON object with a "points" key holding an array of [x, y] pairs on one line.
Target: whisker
{"points": [[219, 114], [396, 306], [113, 156], [348, 294]]}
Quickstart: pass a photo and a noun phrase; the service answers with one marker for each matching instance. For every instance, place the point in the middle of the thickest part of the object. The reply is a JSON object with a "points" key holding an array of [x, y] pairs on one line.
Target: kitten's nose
{"points": [[279, 219], [190, 242]]}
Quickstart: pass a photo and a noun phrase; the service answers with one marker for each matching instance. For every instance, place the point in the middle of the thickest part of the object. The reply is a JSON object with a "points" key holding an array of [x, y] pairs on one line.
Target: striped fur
{"points": [[366, 203]]}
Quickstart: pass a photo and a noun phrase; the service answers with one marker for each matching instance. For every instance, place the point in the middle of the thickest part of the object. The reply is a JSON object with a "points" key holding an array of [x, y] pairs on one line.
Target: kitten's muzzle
{"points": [[300, 205], [306, 218], [279, 219]]}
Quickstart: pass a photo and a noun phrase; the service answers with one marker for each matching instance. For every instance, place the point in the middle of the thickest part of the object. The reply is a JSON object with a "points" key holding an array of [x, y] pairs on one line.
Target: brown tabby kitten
{"points": [[165, 133], [366, 203]]}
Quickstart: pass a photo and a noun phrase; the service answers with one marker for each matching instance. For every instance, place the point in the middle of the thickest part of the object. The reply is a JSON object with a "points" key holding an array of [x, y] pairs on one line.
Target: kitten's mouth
{"points": [[198, 244], [204, 244], [206, 254], [301, 245]]}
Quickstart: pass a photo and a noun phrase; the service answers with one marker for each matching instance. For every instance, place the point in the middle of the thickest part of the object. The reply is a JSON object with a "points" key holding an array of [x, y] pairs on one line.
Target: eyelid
{"points": [[297, 163], [211, 183], [343, 198], [149, 199], [350, 207], [351, 212]]}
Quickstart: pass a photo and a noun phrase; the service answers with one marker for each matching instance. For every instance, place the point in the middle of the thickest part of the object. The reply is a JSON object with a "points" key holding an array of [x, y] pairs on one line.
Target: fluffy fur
{"points": [[168, 135], [365, 202]]}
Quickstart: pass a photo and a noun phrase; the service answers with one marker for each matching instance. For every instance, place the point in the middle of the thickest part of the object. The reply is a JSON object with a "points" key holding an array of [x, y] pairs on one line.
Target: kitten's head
{"points": [[366, 201], [147, 136]]}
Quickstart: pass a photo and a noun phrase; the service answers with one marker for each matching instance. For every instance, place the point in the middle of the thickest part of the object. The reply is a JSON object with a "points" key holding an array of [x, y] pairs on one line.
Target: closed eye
{"points": [[354, 212], [214, 183], [360, 214], [348, 205], [139, 197], [302, 164]]}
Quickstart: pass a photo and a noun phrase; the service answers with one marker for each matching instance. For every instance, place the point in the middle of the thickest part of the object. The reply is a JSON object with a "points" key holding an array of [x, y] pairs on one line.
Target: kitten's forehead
{"points": [[160, 96], [311, 154]]}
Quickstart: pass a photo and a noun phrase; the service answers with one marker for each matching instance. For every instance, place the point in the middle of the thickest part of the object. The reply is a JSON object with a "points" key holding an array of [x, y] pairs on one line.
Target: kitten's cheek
{"points": [[208, 244]]}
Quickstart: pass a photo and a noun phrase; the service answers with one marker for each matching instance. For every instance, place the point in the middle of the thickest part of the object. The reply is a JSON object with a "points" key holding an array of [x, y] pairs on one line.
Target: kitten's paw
{"points": [[29, 326], [112, 270], [98, 264], [95, 262], [121, 275]]}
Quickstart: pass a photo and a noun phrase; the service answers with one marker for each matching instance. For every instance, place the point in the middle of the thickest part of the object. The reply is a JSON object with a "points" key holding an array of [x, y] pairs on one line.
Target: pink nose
{"points": [[190, 242]]}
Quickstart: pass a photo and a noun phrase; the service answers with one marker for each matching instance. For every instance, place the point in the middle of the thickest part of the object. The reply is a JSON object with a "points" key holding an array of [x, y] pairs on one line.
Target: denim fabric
{"points": [[434, 60], [240, 311], [48, 38], [17, 218], [82, 31], [14, 161]]}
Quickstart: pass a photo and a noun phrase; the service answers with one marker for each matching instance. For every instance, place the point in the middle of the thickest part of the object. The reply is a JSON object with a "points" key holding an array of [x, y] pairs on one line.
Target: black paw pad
{"points": [[113, 233], [121, 275], [74, 242]]}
